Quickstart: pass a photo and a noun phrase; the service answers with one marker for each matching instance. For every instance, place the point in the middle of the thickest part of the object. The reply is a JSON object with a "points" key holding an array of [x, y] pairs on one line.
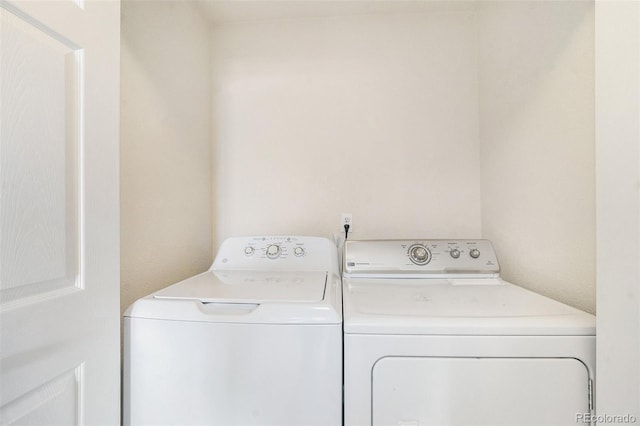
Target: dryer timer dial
{"points": [[419, 254]]}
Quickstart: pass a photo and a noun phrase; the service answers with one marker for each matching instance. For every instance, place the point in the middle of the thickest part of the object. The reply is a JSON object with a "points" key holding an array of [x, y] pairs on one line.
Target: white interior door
{"points": [[59, 212]]}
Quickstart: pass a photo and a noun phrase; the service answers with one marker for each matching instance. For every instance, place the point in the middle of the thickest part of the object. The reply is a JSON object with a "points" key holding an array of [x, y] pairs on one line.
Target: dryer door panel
{"points": [[479, 391]]}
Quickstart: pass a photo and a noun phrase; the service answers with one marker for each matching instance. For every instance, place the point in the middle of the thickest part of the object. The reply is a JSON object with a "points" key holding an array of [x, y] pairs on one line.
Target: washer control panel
{"points": [[420, 257], [274, 253]]}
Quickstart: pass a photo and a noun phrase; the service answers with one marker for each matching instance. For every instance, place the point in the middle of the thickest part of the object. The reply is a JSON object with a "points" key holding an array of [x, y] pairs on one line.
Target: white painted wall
{"points": [[385, 117], [536, 111], [446, 122], [374, 115], [618, 226], [165, 145]]}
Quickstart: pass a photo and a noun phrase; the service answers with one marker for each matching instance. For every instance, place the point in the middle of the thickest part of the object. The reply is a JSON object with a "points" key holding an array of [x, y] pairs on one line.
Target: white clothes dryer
{"points": [[434, 336], [256, 340]]}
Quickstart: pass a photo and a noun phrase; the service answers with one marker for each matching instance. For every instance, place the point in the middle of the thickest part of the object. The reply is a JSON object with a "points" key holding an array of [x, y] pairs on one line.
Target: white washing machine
{"points": [[256, 340], [433, 336]]}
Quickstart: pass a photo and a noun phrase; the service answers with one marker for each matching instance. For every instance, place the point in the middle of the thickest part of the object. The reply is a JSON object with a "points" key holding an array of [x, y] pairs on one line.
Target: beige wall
{"points": [[374, 115], [407, 122], [536, 81], [165, 146], [453, 122]]}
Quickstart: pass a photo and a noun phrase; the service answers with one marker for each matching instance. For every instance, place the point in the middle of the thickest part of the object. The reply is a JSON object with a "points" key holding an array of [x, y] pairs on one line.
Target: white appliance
{"points": [[433, 336], [256, 340]]}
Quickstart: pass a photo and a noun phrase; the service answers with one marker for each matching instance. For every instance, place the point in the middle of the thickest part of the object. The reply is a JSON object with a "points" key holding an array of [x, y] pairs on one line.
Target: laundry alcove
{"points": [[444, 119]]}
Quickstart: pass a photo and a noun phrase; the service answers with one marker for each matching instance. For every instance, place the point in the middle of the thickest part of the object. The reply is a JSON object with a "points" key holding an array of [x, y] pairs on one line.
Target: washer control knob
{"points": [[419, 254], [298, 251], [475, 253], [273, 251], [249, 250], [455, 253]]}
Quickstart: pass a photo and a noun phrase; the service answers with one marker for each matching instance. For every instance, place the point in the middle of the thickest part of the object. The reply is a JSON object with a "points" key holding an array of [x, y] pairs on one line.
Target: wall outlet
{"points": [[346, 219]]}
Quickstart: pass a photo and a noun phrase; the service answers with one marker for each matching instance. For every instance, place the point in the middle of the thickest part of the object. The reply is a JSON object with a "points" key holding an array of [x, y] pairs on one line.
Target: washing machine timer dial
{"points": [[273, 251], [419, 254]]}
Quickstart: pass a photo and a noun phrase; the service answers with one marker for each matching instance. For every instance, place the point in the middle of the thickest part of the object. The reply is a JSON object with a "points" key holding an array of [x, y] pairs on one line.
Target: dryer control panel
{"points": [[276, 253], [420, 257]]}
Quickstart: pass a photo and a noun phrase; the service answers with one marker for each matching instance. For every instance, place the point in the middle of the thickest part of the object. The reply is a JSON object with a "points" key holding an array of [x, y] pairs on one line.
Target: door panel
{"points": [[56, 400], [59, 228], [39, 227], [479, 391]]}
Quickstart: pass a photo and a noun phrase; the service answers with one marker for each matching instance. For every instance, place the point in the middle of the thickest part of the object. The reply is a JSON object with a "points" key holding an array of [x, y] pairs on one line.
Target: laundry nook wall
{"points": [[375, 115], [434, 119], [165, 146], [537, 144]]}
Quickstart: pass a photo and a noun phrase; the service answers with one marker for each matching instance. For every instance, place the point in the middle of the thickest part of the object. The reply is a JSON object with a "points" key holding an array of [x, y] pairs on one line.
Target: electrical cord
{"points": [[346, 231]]}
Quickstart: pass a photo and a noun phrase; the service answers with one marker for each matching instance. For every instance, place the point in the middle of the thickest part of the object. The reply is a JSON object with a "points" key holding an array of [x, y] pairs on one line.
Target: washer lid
{"points": [[247, 297], [457, 307], [255, 287]]}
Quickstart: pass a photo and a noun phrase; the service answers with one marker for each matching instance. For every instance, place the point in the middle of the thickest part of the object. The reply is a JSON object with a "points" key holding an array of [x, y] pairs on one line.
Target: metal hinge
{"points": [[590, 395]]}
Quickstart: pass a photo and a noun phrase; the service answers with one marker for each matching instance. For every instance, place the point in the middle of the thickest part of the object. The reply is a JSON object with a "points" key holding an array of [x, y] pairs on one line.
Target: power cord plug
{"points": [[346, 231]]}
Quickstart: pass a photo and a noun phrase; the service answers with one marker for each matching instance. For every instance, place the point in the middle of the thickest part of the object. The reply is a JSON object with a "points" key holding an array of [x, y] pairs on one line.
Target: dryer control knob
{"points": [[455, 253], [419, 254], [273, 251], [249, 250], [298, 251], [475, 253]]}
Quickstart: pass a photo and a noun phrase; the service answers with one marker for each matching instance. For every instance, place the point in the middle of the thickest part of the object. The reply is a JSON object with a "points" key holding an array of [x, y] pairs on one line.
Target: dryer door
{"points": [[479, 391]]}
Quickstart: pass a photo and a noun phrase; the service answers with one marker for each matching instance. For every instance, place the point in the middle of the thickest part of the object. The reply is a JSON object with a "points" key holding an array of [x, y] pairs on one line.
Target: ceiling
{"points": [[229, 11]]}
